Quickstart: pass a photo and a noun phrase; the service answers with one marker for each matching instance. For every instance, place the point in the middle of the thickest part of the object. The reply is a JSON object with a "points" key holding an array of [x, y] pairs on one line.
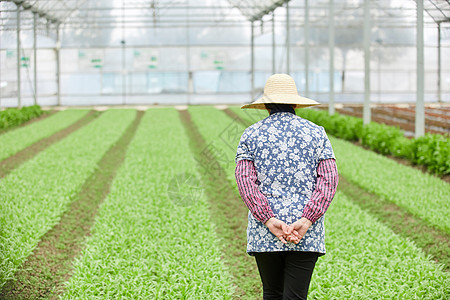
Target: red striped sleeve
{"points": [[327, 181], [256, 202]]}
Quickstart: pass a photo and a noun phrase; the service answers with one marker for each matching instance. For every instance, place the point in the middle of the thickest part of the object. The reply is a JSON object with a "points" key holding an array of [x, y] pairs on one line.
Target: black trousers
{"points": [[286, 274]]}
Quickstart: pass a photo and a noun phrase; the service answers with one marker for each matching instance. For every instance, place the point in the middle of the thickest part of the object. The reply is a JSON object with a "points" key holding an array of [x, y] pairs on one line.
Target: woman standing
{"points": [[287, 176]]}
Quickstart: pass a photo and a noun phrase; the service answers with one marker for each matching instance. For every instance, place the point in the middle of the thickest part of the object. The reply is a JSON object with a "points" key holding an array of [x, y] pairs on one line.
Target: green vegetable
{"points": [[13, 116], [144, 245], [13, 141], [366, 260], [431, 150], [33, 196], [423, 195]]}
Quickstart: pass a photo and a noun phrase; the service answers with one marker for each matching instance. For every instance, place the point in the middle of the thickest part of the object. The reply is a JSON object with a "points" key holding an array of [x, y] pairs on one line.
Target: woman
{"points": [[287, 176]]}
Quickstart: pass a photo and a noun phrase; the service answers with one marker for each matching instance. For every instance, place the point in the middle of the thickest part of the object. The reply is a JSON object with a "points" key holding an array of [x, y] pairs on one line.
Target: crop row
{"points": [[431, 150], [15, 116], [221, 135], [34, 196], [365, 259], [153, 238], [20, 138], [423, 195]]}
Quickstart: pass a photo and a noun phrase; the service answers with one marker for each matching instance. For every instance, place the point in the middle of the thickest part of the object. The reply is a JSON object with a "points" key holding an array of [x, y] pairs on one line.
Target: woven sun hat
{"points": [[281, 89]]}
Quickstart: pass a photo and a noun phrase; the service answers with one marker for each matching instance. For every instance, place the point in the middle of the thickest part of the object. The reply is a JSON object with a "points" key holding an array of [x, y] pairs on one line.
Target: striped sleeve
{"points": [[256, 202], [327, 181]]}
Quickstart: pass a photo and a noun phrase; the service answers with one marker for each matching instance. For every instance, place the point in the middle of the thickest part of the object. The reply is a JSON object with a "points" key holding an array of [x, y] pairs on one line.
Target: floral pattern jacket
{"points": [[285, 150]]}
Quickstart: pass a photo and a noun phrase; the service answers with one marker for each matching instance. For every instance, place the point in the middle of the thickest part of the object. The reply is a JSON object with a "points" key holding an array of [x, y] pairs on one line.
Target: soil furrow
{"points": [[236, 117], [228, 213], [14, 161], [433, 241], [49, 266]]}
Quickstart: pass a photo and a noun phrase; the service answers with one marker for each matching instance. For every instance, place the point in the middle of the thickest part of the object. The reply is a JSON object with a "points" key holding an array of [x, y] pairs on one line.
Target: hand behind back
{"points": [[288, 233]]}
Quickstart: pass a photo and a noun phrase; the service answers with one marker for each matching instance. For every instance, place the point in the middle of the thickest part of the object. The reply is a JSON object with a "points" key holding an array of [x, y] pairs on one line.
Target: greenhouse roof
{"points": [[182, 13], [439, 10]]}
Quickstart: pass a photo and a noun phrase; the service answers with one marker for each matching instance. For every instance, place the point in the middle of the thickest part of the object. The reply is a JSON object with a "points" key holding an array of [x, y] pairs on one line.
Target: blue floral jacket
{"points": [[285, 150]]}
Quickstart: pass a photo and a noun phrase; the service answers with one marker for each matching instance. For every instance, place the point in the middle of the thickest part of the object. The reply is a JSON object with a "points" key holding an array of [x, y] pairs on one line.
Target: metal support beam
{"points": [[273, 43], [306, 48], [331, 109], [19, 94], [188, 57], [439, 68], [252, 61], [420, 113], [288, 42], [367, 31], [34, 9], [264, 10], [58, 66], [35, 56], [124, 63]]}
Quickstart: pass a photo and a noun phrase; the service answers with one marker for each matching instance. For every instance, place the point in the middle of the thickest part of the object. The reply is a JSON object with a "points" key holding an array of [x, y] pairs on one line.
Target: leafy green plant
{"points": [[13, 116], [401, 147], [345, 127], [221, 135], [432, 150], [423, 195], [366, 260], [33, 196], [143, 245], [380, 137], [20, 138]]}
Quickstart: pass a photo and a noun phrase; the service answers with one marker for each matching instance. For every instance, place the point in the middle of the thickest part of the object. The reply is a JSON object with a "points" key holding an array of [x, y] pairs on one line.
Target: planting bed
{"points": [[20, 138], [148, 208], [437, 119], [220, 136], [33, 196], [144, 244], [358, 241]]}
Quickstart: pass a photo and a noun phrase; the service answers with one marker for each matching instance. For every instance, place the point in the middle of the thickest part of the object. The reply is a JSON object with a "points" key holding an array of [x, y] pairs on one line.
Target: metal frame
{"points": [[331, 109], [19, 96], [252, 61], [367, 31], [75, 14], [35, 57], [420, 107], [306, 29], [288, 41]]}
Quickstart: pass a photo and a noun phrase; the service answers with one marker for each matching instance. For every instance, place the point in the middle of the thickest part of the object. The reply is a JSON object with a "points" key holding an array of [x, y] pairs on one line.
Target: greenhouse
{"points": [[122, 130]]}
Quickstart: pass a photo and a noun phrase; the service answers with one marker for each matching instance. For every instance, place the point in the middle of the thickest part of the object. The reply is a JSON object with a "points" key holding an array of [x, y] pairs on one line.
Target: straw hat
{"points": [[281, 89]]}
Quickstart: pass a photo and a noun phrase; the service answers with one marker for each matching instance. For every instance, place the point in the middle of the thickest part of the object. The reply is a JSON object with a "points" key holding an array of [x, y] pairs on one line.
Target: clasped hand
{"points": [[288, 233]]}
